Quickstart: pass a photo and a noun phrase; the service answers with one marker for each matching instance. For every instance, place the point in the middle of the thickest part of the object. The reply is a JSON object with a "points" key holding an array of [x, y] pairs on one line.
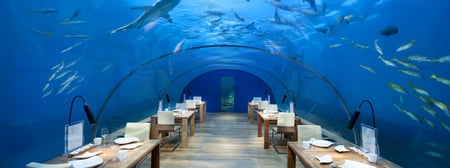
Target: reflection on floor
{"points": [[224, 140]]}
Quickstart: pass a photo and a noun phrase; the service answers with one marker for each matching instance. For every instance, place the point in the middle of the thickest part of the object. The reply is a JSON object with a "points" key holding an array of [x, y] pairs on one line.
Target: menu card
{"points": [[73, 136]]}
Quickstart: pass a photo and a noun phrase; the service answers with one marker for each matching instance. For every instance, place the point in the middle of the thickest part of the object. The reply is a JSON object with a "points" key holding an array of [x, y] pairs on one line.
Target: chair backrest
{"points": [[140, 130], [197, 98], [286, 119], [191, 104], [306, 132], [263, 104], [271, 107], [166, 118], [257, 99], [181, 106]]}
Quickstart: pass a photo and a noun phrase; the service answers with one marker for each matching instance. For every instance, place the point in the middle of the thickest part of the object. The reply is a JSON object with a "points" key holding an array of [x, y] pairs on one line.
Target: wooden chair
{"points": [[137, 129], [166, 126], [306, 132]]}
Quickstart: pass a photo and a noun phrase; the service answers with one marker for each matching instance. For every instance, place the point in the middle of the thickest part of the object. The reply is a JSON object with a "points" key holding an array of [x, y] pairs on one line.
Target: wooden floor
{"points": [[224, 140]]}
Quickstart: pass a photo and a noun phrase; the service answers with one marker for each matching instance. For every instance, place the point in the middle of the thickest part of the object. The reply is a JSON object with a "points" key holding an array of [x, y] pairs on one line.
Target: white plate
{"points": [[126, 140], [341, 148], [91, 162], [354, 164], [322, 143], [87, 155], [325, 159], [130, 146]]}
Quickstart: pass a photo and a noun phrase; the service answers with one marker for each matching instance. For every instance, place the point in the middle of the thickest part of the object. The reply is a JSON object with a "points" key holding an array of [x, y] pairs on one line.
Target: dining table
{"points": [[267, 118], [338, 157], [109, 156], [184, 117]]}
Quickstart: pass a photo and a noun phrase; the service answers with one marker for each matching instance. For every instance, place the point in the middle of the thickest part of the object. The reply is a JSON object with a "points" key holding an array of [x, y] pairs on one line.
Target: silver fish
{"points": [[368, 68], [397, 88], [406, 64], [406, 46], [418, 90], [410, 73], [377, 47], [387, 62], [443, 59]]}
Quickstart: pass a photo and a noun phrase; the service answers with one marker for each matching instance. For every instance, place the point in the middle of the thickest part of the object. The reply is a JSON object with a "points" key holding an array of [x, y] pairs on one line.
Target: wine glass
{"points": [[104, 134]]}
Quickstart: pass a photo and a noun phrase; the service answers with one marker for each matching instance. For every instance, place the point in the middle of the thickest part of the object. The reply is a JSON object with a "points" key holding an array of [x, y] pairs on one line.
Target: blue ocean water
{"points": [[54, 50]]}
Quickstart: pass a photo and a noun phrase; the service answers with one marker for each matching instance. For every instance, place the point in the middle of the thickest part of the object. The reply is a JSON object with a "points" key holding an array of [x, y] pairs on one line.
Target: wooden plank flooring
{"points": [[224, 140]]}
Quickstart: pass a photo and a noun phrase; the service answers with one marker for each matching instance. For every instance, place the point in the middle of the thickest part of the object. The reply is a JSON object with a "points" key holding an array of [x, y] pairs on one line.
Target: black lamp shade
{"points": [[284, 99], [353, 120], [89, 114]]}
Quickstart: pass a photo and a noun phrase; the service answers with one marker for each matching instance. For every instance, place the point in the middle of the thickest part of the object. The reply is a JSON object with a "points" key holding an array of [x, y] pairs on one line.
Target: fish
{"points": [[434, 154], [74, 15], [238, 17], [215, 13], [405, 64], [429, 110], [70, 79], [419, 58], [346, 18], [357, 45], [46, 86], [387, 62], [447, 127], [179, 46], [430, 123], [406, 46], [336, 45], [418, 90], [71, 47], [160, 9], [368, 68], [426, 100], [47, 93], [377, 47], [410, 73], [397, 88], [325, 30], [439, 79], [443, 59], [312, 3], [41, 32], [440, 105], [73, 22], [397, 107], [43, 10], [390, 30], [411, 115], [78, 36], [63, 74]]}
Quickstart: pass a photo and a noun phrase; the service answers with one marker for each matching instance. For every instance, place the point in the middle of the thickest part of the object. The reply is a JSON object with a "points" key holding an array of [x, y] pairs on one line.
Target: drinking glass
{"points": [[104, 134], [114, 148]]}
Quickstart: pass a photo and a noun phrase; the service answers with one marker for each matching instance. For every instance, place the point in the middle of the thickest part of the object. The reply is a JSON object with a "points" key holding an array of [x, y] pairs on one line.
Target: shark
{"points": [[160, 9]]}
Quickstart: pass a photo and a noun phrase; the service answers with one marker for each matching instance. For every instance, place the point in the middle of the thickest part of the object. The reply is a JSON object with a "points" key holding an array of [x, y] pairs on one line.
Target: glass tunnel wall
{"points": [[51, 53]]}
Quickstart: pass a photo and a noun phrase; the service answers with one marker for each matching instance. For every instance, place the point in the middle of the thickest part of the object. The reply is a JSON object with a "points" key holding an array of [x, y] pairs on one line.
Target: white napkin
{"points": [[44, 165]]}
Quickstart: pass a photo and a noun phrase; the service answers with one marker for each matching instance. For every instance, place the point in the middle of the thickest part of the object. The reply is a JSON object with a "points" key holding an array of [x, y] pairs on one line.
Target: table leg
{"points": [[290, 158], [184, 132], [192, 125], [154, 129], [155, 157], [266, 134], [259, 126]]}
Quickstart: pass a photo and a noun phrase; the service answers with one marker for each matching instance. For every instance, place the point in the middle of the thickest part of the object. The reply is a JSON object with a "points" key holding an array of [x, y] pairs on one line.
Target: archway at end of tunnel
{"points": [[226, 90]]}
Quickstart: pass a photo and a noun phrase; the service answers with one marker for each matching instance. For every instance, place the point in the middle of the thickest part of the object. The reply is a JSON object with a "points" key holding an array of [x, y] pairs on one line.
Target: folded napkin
{"points": [[44, 165]]}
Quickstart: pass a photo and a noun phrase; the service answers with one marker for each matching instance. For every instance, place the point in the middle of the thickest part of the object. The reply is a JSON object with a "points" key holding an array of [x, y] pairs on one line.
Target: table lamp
{"points": [[86, 108], [355, 116]]}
